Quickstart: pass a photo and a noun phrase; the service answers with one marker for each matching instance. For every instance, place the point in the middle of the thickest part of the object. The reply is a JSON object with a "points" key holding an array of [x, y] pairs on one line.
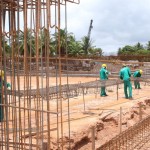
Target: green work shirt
{"points": [[125, 73], [103, 74], [137, 74]]}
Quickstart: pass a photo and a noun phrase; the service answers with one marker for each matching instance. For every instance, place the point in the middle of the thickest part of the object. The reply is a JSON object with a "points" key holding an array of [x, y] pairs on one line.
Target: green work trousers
{"points": [[103, 88], [137, 84], [127, 86], [103, 92], [1, 110]]}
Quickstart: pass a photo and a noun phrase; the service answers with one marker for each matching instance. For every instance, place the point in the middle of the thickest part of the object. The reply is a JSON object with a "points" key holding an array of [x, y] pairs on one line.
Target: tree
{"points": [[65, 39], [75, 49], [119, 51], [148, 46], [5, 46], [136, 50], [96, 51], [47, 46], [30, 43], [139, 46], [126, 50], [86, 44]]}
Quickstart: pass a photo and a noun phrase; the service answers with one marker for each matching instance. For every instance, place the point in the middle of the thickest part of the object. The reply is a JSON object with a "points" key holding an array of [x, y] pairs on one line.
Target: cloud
{"points": [[115, 22]]}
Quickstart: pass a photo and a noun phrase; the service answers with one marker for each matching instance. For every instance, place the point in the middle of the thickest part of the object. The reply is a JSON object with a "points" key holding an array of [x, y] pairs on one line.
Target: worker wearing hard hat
{"points": [[2, 83], [136, 75], [103, 77], [125, 75]]}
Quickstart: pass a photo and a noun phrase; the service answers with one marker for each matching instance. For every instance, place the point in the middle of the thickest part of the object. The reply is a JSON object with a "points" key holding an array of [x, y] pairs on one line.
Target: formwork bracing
{"points": [[31, 111]]}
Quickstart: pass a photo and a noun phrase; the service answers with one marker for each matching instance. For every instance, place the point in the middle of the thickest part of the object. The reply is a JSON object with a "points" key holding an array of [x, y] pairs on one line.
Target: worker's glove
{"points": [[8, 86]]}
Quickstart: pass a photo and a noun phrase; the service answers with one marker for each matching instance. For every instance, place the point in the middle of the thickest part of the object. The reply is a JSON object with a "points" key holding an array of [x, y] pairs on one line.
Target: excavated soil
{"points": [[100, 113]]}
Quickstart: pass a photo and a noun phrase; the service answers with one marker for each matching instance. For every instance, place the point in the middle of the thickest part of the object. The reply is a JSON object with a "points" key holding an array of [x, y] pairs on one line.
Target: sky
{"points": [[116, 23]]}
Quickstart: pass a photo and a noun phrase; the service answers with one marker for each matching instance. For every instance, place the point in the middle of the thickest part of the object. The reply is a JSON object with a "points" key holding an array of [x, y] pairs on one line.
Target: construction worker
{"points": [[125, 75], [103, 77], [2, 83], [136, 75]]}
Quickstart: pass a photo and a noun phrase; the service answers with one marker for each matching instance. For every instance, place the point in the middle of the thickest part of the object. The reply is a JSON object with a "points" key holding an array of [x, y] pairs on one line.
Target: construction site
{"points": [[54, 103]]}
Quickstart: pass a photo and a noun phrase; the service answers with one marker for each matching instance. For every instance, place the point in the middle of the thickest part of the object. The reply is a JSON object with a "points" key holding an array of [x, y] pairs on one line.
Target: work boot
{"points": [[102, 95]]}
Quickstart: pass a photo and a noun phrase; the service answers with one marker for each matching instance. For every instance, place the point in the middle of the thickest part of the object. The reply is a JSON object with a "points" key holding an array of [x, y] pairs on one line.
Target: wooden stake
{"points": [[93, 137], [83, 99], [140, 112], [120, 124]]}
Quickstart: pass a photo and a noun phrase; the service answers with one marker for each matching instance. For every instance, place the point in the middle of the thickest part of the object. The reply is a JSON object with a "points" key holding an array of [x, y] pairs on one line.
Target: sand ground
{"points": [[79, 113]]}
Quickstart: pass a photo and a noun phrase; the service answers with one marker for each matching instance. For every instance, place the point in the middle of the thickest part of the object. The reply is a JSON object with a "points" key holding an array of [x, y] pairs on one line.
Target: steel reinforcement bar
{"points": [[71, 90], [67, 88], [133, 138]]}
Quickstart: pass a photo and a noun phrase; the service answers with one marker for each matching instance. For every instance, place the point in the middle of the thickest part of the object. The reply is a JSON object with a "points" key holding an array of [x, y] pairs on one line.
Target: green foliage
{"points": [[6, 47], [75, 49], [86, 44], [30, 43], [138, 46], [64, 39], [47, 44], [95, 52], [148, 46], [138, 49]]}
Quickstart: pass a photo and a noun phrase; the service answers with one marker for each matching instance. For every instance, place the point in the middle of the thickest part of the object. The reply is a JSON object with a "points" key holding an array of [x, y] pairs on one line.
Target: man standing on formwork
{"points": [[103, 77], [136, 76], [125, 75], [2, 83]]}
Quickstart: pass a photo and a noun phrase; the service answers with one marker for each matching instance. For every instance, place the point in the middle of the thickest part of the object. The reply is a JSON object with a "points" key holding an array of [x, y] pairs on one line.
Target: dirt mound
{"points": [[106, 127]]}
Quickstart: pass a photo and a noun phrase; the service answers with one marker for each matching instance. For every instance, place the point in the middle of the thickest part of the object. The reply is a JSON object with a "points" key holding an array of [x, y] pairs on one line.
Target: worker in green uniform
{"points": [[103, 77], [125, 75], [2, 82], [136, 75]]}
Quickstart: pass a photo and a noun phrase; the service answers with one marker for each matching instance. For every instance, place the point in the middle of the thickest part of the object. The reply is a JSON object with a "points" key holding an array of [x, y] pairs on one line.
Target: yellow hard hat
{"points": [[104, 65], [2, 74], [140, 71], [124, 65]]}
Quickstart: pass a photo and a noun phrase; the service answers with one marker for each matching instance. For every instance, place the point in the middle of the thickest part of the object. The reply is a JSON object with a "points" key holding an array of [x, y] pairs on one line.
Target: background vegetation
{"points": [[68, 45]]}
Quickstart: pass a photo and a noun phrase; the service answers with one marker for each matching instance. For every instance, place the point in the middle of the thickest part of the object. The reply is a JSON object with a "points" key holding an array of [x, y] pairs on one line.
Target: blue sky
{"points": [[115, 22]]}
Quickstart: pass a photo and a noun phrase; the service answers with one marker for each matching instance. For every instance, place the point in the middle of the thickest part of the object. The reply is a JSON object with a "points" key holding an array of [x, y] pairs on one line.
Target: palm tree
{"points": [[139, 46], [119, 51], [30, 43], [86, 44], [65, 39], [75, 49], [148, 45], [96, 51], [5, 46], [46, 44]]}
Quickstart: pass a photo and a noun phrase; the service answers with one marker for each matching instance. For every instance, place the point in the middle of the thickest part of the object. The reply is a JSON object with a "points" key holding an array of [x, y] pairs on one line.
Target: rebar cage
{"points": [[31, 110], [25, 122]]}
